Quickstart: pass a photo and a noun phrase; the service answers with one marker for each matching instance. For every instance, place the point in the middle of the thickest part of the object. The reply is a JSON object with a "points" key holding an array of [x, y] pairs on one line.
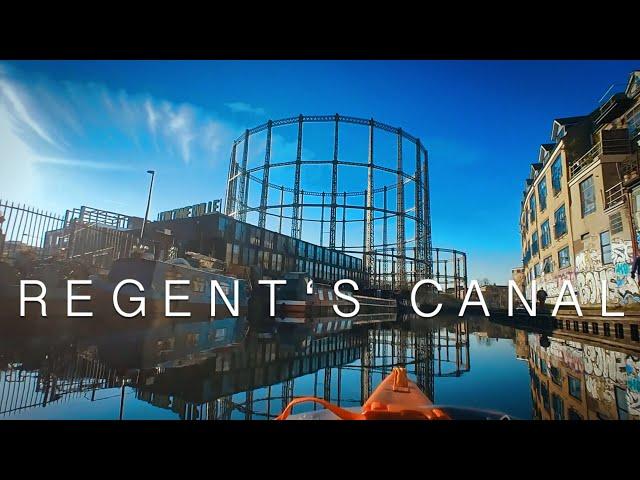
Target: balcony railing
{"points": [[614, 142], [613, 196], [586, 160]]}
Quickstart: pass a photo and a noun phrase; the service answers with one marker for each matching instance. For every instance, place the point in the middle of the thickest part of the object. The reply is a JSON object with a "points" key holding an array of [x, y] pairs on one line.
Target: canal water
{"points": [[235, 369]]}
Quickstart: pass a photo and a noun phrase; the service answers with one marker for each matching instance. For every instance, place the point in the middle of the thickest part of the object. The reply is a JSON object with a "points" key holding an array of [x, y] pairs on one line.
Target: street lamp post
{"points": [[146, 213]]}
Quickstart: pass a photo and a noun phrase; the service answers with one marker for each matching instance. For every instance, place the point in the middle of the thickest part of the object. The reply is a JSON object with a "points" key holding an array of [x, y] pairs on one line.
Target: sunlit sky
{"points": [[84, 133]]}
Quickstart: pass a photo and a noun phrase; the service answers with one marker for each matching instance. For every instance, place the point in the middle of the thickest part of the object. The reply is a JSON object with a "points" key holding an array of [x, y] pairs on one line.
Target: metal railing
{"points": [[613, 196], [586, 160], [35, 233], [611, 144], [24, 229]]}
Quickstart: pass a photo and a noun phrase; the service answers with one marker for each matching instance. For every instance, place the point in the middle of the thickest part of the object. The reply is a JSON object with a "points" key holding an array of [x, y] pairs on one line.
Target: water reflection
{"points": [[233, 368], [579, 381]]}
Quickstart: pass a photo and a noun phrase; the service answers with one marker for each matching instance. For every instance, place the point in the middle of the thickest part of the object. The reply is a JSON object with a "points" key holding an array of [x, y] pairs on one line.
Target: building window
{"points": [[633, 121], [240, 230], [254, 236], [605, 247], [532, 207], [555, 375], [268, 240], [615, 223], [536, 270], [544, 393], [575, 387], [547, 265], [558, 407], [542, 194], [545, 234], [563, 258], [587, 197], [534, 243], [556, 175], [560, 226]]}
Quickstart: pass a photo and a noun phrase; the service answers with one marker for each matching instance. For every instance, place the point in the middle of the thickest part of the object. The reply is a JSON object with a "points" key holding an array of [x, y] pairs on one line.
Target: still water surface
{"points": [[235, 369]]}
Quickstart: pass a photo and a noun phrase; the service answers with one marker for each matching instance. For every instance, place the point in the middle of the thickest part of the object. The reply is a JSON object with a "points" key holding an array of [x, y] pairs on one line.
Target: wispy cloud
{"points": [[68, 162], [242, 107], [13, 101], [87, 122], [75, 126]]}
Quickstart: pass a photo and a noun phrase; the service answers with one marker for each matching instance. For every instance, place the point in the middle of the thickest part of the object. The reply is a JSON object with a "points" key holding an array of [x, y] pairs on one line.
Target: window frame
{"points": [[602, 247], [582, 190], [560, 266], [556, 161]]}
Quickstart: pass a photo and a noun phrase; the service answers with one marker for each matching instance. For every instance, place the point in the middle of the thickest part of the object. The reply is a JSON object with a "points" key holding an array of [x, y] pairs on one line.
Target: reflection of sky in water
{"points": [[497, 380]]}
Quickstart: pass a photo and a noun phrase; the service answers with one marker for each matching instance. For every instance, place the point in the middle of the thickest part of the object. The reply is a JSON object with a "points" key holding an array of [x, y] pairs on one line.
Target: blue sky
{"points": [[74, 133]]}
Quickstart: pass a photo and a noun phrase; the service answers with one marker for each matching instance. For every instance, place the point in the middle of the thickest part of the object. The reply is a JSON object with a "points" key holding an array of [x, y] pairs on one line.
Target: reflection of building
{"points": [[578, 381], [575, 213], [522, 345]]}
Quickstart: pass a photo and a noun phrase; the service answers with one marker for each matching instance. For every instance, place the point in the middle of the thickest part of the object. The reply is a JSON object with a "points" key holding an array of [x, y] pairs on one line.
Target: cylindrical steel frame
{"points": [[411, 258]]}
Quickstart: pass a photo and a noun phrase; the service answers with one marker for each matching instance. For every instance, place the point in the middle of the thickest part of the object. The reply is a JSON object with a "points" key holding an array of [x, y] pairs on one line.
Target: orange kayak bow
{"points": [[396, 398]]}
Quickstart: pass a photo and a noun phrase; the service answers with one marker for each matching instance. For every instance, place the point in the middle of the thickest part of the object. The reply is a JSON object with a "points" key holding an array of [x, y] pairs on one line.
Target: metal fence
{"points": [[41, 234], [24, 228]]}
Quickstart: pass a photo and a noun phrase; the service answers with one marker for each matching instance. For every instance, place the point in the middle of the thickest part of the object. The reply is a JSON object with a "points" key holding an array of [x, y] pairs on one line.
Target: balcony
{"points": [[613, 147], [613, 196]]}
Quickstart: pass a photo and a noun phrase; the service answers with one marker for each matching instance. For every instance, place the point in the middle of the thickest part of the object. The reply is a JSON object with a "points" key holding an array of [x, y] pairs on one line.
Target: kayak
{"points": [[395, 398]]}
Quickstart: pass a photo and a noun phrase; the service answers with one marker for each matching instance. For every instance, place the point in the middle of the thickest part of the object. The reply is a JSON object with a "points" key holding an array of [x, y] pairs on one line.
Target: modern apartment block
{"points": [[579, 217]]}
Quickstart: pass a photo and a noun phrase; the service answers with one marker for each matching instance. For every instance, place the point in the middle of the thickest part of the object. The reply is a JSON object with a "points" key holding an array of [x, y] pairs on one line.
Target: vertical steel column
{"points": [[400, 238], [369, 205], [295, 225], [365, 255], [334, 188], [384, 233], [438, 265], [344, 217], [322, 222], [230, 202], [301, 212], [426, 217], [446, 280], [393, 269], [281, 208], [418, 264], [464, 256], [243, 203], [262, 218], [455, 274]]}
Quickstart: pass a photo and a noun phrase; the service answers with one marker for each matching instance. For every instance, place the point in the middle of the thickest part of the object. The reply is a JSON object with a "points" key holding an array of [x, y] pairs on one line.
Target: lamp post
{"points": [[146, 213]]}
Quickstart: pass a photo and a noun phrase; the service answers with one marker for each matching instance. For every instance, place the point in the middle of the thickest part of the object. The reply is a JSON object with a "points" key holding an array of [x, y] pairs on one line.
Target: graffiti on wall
{"points": [[602, 371], [633, 385], [552, 283], [590, 272]]}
